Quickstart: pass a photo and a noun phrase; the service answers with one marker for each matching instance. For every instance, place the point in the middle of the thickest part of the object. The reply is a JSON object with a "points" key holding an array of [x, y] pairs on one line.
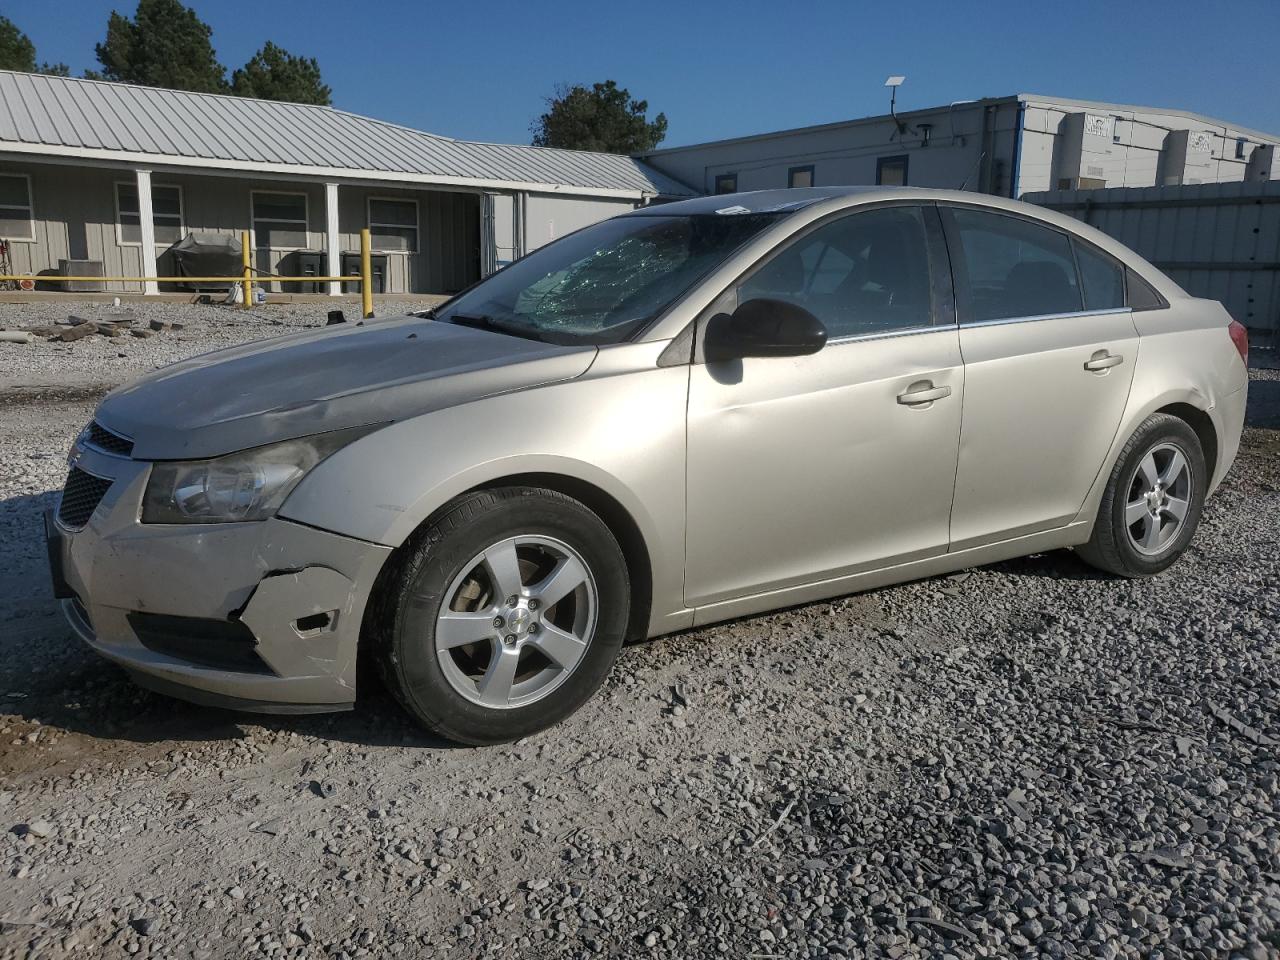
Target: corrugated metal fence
{"points": [[1218, 240]]}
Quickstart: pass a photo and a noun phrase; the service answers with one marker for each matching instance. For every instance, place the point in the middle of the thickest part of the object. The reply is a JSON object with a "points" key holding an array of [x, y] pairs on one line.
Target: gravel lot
{"points": [[1027, 759]]}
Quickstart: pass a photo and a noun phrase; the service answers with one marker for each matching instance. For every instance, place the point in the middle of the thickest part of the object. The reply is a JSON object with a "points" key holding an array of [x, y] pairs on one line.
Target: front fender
{"points": [[622, 432]]}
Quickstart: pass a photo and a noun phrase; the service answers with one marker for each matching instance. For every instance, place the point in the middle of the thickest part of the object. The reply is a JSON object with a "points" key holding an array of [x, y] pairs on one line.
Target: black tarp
{"points": [[207, 255]]}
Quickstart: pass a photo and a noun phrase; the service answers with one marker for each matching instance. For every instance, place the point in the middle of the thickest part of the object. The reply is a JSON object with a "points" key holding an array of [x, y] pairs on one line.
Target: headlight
{"points": [[249, 485]]}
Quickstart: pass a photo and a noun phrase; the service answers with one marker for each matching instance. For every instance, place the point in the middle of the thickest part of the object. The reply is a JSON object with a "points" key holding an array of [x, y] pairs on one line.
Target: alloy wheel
{"points": [[1159, 498], [516, 621]]}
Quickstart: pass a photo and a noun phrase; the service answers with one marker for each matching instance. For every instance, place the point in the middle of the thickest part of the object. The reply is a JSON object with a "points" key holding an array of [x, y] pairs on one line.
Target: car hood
{"points": [[326, 379]]}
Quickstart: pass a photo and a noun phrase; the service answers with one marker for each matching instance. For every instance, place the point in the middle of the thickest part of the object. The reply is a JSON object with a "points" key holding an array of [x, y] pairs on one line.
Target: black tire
{"points": [[1110, 547], [414, 589]]}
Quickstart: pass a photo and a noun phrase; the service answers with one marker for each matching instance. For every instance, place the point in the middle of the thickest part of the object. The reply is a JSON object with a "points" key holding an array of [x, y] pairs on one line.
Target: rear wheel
{"points": [[504, 615], [1151, 507]]}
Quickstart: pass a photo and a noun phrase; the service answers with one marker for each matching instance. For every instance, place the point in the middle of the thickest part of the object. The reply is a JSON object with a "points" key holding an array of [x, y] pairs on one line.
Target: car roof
{"points": [[755, 201]]}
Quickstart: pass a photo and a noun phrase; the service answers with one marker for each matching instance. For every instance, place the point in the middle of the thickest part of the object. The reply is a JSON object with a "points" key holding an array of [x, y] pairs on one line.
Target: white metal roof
{"points": [[91, 119]]}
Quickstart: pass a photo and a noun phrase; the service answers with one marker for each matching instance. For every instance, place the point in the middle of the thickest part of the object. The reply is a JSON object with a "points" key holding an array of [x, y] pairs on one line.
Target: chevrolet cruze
{"points": [[691, 412]]}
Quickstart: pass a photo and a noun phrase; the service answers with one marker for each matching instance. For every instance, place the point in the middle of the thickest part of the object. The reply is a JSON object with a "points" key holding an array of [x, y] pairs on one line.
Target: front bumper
{"points": [[295, 593]]}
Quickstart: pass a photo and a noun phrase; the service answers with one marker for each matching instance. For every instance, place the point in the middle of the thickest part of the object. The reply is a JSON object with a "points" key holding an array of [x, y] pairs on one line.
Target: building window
{"points": [[891, 171], [279, 221], [393, 225], [17, 222], [166, 215], [727, 183], [1240, 145], [800, 176]]}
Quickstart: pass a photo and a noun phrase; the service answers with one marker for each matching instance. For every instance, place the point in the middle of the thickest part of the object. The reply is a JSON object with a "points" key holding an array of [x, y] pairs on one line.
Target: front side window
{"points": [[393, 225], [280, 221], [606, 281], [800, 176], [16, 219], [1007, 267], [727, 183], [865, 273], [891, 171], [1101, 277], [166, 214]]}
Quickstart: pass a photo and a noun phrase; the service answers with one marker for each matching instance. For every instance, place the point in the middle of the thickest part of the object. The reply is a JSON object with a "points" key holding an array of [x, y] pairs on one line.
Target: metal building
{"points": [[114, 175], [1004, 145]]}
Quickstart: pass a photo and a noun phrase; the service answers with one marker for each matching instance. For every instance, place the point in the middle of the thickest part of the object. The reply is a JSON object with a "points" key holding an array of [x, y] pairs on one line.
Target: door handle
{"points": [[1102, 360], [923, 392]]}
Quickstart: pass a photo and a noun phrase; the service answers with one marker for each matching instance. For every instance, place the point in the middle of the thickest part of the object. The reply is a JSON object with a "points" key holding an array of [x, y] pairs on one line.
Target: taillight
{"points": [[1240, 337]]}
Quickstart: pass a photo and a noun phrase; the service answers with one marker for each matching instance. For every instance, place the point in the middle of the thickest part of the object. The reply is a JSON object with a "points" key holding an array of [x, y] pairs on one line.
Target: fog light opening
{"points": [[315, 623]]}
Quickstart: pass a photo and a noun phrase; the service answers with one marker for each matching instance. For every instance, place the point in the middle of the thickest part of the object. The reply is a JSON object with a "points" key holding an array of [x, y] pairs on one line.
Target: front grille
{"points": [[96, 435], [222, 644], [80, 497]]}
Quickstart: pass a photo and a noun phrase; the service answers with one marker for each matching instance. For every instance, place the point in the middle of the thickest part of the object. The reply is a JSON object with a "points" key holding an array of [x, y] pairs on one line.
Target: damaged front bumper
{"points": [[257, 616]]}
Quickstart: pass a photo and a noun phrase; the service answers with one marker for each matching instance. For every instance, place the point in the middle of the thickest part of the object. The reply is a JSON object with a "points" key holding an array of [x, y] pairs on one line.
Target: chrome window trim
{"points": [[1046, 316], [906, 332]]}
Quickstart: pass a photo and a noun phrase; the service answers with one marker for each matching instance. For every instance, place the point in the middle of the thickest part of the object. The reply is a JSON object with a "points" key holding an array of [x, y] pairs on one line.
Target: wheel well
{"points": [[620, 524], [1198, 421]]}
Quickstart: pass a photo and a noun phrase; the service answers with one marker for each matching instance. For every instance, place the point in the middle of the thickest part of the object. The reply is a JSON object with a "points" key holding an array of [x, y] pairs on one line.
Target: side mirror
{"points": [[764, 328]]}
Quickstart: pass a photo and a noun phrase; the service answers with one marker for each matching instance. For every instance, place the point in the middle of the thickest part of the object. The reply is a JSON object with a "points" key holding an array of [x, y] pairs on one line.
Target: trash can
{"points": [[377, 266], [308, 263]]}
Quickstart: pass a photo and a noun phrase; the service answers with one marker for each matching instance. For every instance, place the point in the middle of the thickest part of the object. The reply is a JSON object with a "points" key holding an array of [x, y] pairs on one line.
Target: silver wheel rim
{"points": [[1158, 500], [516, 621]]}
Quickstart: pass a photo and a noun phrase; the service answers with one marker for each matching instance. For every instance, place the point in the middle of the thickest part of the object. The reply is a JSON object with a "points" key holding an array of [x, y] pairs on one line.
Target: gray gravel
{"points": [[1023, 760]]}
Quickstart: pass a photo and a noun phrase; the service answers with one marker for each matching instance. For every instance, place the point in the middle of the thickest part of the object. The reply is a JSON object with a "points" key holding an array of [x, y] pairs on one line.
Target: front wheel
{"points": [[1152, 504], [504, 615]]}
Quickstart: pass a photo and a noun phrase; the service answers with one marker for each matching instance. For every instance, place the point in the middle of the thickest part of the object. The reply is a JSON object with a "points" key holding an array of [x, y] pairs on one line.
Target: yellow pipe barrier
{"points": [[366, 275], [248, 270]]}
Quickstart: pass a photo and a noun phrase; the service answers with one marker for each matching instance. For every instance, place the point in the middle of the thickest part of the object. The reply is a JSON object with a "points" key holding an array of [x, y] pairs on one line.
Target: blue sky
{"points": [[482, 70]]}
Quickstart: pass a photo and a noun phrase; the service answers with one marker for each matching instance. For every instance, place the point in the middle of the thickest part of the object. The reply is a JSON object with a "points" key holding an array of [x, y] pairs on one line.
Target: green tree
{"points": [[603, 118], [276, 74], [164, 45], [17, 52]]}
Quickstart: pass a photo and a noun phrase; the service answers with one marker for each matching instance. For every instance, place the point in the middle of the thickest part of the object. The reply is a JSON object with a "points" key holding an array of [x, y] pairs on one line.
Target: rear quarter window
{"points": [[1141, 295]]}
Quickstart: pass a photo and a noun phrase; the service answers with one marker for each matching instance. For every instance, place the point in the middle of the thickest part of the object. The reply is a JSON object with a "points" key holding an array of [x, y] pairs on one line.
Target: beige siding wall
{"points": [[75, 218], [448, 255]]}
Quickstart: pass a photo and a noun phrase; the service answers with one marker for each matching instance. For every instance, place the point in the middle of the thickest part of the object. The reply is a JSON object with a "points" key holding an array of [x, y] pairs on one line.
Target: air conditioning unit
{"points": [[82, 268]]}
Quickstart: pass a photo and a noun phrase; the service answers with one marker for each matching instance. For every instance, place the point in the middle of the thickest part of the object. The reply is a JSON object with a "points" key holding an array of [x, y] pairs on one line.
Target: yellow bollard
{"points": [[366, 275], [248, 270]]}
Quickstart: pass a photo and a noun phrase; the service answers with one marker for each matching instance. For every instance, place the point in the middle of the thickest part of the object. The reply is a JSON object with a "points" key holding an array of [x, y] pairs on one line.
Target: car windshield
{"points": [[605, 282]]}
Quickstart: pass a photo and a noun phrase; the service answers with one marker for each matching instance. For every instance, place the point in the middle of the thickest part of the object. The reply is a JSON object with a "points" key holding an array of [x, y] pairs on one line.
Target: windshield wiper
{"points": [[492, 324]]}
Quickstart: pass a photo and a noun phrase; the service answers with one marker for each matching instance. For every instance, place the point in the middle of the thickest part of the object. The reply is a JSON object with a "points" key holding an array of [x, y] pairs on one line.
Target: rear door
{"points": [[1049, 352]]}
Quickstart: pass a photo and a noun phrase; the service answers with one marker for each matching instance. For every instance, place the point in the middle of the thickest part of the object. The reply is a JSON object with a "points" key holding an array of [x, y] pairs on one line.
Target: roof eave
{"points": [[249, 168]]}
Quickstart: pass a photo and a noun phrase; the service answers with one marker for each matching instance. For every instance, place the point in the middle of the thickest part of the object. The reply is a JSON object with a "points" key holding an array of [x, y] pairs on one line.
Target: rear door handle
{"points": [[923, 392], [1102, 360]]}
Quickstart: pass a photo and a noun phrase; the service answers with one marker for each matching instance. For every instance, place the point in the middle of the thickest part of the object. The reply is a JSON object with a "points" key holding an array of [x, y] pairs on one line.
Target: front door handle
{"points": [[1102, 360], [923, 392]]}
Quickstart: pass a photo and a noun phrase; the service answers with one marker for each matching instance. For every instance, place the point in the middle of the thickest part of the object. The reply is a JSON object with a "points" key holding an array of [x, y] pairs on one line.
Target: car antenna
{"points": [[982, 156]]}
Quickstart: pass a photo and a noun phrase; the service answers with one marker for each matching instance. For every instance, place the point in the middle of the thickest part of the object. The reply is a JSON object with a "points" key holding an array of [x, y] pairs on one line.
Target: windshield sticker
{"points": [[736, 208]]}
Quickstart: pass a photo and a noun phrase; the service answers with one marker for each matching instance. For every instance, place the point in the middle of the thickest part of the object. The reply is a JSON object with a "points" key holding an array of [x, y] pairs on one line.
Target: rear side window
{"points": [[865, 273], [1007, 267], [1101, 277], [1142, 296]]}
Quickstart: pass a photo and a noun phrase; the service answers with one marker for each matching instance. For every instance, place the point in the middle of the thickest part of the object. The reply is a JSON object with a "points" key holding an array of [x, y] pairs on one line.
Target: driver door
{"points": [[812, 468]]}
